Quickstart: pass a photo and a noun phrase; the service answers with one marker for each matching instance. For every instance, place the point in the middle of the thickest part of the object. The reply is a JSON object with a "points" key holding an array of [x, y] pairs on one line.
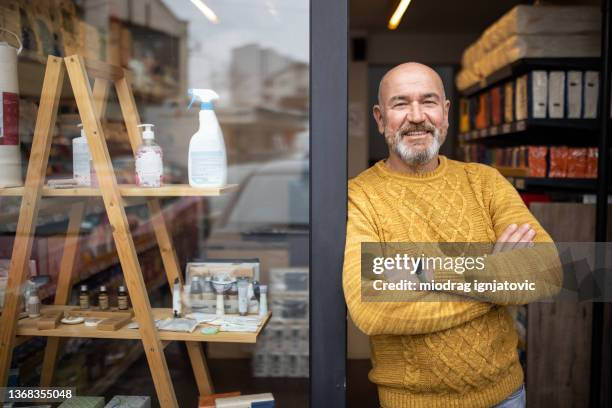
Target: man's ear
{"points": [[377, 111]]}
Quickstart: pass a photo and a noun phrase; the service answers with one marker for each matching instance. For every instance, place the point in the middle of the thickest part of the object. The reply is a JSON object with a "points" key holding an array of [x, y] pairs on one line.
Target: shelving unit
{"points": [[92, 106], [550, 131], [525, 65]]}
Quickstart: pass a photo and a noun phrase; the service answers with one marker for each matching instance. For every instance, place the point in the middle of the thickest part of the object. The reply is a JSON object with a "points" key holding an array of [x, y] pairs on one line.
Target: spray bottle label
{"points": [[9, 118], [205, 167]]}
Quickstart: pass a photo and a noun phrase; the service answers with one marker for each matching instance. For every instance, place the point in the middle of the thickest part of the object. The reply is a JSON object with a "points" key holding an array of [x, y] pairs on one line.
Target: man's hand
{"points": [[515, 237]]}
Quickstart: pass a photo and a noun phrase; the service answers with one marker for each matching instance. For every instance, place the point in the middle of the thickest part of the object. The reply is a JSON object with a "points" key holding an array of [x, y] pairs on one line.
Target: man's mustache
{"points": [[416, 128]]}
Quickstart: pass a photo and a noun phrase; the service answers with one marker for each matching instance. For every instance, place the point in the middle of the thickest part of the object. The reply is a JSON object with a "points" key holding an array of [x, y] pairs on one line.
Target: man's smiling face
{"points": [[412, 113]]}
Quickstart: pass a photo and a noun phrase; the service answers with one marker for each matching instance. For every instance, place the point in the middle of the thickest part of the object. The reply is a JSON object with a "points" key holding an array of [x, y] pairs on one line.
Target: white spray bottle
{"points": [[207, 164]]}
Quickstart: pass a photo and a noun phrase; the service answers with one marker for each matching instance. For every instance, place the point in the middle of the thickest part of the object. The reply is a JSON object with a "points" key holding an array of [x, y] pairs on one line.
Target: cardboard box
{"points": [[83, 402]]}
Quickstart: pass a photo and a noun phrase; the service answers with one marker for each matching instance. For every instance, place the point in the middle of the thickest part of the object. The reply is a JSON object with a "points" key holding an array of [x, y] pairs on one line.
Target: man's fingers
{"points": [[514, 237], [504, 237]]}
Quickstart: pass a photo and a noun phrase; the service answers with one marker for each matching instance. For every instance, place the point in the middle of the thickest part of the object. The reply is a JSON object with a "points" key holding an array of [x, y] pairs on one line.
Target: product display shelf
{"points": [[91, 103], [127, 190], [27, 327], [549, 185], [525, 65], [510, 133]]}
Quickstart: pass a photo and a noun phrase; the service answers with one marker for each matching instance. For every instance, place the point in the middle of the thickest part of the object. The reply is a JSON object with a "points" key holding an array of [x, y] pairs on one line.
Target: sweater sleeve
{"points": [[423, 315], [538, 264]]}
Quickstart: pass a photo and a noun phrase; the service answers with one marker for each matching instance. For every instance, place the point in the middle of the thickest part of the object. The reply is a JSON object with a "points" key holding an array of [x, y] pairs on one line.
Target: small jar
{"points": [[33, 306], [123, 300], [84, 297], [103, 298]]}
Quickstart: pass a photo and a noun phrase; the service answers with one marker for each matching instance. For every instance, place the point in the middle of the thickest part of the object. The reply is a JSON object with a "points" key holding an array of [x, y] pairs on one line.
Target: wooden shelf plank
{"points": [[127, 190], [513, 171], [27, 327]]}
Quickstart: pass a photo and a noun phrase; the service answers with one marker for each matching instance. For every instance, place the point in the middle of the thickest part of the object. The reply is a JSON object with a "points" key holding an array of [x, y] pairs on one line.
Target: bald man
{"points": [[460, 353]]}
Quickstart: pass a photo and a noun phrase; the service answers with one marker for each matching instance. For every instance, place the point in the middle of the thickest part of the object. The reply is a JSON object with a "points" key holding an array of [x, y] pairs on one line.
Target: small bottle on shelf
{"points": [[123, 300], [103, 298], [208, 296], [231, 306], [33, 305], [84, 297], [263, 300], [195, 294]]}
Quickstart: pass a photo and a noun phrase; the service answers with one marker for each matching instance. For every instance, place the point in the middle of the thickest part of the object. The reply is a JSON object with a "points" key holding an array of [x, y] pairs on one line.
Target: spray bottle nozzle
{"points": [[206, 96]]}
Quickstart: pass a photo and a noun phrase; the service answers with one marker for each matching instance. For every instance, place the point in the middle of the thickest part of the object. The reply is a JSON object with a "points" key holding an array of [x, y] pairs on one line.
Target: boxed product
{"points": [[536, 158], [464, 115], [531, 96], [234, 268], [289, 308], [558, 162], [483, 114], [129, 401], [577, 162], [83, 402], [591, 164], [247, 401], [288, 280]]}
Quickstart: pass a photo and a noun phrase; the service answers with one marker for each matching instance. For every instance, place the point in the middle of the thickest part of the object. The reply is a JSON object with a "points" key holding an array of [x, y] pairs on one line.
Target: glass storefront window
{"points": [[255, 56]]}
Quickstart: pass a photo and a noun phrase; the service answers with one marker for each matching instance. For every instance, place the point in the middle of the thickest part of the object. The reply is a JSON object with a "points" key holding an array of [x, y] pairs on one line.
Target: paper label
{"points": [[206, 167], [9, 119], [149, 169]]}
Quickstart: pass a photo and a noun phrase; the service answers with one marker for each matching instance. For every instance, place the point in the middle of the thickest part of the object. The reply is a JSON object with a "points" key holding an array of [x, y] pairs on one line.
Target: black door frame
{"points": [[328, 196]]}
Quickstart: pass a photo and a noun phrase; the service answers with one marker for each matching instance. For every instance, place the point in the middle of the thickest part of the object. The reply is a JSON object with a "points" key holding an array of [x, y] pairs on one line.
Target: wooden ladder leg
{"points": [[69, 255], [26, 226], [124, 243], [164, 239], [64, 285]]}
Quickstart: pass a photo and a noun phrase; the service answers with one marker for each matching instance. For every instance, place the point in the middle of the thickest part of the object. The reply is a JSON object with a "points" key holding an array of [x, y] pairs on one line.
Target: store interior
{"points": [[255, 55]]}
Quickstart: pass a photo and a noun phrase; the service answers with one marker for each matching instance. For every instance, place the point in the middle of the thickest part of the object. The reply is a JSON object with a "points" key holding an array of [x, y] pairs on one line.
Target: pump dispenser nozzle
{"points": [[80, 126], [206, 96], [147, 133]]}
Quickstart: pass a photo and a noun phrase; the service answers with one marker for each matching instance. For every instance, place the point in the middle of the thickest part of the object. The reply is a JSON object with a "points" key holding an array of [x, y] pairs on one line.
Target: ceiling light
{"points": [[206, 11], [398, 14]]}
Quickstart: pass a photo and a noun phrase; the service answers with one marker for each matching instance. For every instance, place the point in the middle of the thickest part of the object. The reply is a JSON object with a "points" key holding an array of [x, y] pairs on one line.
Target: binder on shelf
{"points": [[537, 94], [556, 94], [574, 94], [482, 117], [520, 103], [590, 95], [509, 102], [464, 115], [496, 106]]}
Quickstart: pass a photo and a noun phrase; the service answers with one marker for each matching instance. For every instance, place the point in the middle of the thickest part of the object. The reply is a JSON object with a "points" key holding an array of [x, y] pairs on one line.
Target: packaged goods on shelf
{"points": [[289, 308], [129, 401], [576, 162], [531, 96], [482, 118], [464, 115], [574, 88], [508, 98], [537, 160], [288, 280], [531, 32], [591, 165], [558, 162], [246, 401], [83, 402], [591, 94], [496, 105], [556, 94]]}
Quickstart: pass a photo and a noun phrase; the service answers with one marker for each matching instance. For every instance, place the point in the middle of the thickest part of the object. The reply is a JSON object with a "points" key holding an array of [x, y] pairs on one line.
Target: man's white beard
{"points": [[416, 157]]}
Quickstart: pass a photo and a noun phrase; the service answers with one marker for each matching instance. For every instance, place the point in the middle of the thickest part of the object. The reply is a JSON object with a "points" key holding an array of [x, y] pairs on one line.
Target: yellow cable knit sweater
{"points": [[440, 354]]}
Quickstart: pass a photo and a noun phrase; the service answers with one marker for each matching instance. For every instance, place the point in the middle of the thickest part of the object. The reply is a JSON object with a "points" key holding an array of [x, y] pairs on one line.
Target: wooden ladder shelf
{"points": [[92, 106]]}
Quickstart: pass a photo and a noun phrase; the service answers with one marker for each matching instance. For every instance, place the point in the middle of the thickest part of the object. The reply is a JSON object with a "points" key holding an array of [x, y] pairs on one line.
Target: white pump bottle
{"points": [[207, 163]]}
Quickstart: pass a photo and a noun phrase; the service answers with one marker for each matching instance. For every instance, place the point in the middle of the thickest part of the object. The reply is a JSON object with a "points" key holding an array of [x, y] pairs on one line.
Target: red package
{"points": [[536, 160], [558, 162], [591, 162], [577, 162]]}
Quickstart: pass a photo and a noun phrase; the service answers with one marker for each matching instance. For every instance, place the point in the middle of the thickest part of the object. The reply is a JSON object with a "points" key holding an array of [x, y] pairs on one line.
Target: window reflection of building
{"points": [[269, 107]]}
